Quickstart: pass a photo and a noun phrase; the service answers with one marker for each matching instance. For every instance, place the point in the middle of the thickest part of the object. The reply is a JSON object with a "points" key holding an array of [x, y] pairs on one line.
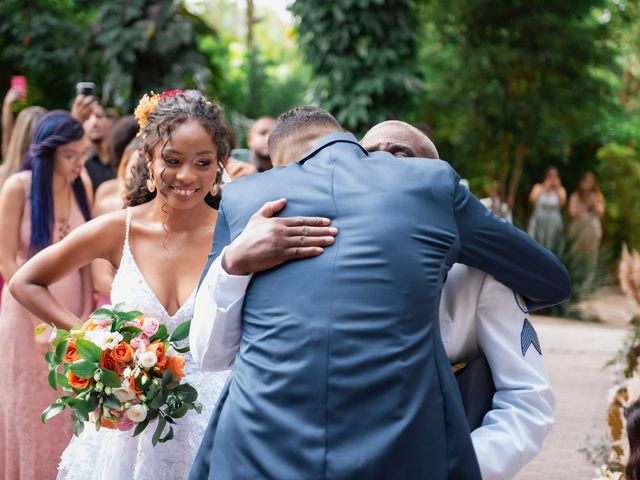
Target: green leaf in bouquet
{"points": [[61, 351], [182, 410], [51, 411], [83, 408], [53, 379], [167, 437], [102, 314], [152, 414], [62, 381], [62, 333], [197, 406], [180, 349], [50, 358], [111, 401], [161, 334], [159, 400], [93, 401], [186, 392], [84, 369], [181, 332], [128, 316], [133, 330], [78, 424], [158, 433], [167, 376], [88, 351], [110, 378], [141, 426]]}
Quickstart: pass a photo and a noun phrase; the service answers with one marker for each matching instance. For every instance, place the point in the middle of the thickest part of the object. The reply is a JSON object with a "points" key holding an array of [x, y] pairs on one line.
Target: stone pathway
{"points": [[575, 354]]}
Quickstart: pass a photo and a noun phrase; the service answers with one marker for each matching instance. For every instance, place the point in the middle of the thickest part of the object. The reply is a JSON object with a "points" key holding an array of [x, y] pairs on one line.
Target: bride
{"points": [[159, 245]]}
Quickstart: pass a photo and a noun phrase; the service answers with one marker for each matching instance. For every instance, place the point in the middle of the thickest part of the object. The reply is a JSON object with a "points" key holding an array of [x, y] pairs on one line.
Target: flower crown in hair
{"points": [[148, 104]]}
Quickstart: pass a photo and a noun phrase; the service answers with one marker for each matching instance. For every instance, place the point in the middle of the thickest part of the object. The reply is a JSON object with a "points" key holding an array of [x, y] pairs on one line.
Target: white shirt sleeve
{"points": [[513, 432], [216, 325]]}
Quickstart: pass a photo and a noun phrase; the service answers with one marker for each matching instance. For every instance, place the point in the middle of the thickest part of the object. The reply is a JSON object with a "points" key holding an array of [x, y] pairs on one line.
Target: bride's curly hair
{"points": [[632, 415], [169, 112]]}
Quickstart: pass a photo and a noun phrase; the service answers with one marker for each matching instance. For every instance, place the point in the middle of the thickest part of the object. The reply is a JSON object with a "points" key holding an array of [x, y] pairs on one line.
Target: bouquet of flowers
{"points": [[122, 371]]}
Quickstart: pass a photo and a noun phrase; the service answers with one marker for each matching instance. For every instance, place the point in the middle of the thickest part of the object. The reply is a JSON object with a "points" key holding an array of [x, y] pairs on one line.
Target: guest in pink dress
{"points": [[38, 207], [18, 140]]}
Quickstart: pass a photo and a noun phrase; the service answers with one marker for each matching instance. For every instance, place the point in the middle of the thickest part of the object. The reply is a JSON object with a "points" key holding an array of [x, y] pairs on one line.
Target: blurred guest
{"points": [[38, 207], [109, 198], [110, 195], [15, 94], [96, 129], [120, 135], [236, 168], [257, 141], [18, 145], [586, 208], [19, 142], [548, 198]]}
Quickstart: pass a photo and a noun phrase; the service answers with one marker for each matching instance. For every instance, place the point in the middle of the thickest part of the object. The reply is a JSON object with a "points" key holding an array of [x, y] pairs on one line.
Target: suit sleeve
{"points": [[522, 414], [493, 245]]}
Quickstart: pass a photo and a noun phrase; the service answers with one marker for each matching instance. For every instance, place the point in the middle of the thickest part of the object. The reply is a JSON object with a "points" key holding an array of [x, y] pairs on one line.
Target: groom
{"points": [[341, 372]]}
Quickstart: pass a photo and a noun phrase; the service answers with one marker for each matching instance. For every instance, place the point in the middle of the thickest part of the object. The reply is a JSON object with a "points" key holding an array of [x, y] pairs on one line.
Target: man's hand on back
{"points": [[268, 241]]}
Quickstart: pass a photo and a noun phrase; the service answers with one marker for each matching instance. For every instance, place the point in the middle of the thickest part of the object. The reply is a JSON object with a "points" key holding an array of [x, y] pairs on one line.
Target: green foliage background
{"points": [[505, 87]]}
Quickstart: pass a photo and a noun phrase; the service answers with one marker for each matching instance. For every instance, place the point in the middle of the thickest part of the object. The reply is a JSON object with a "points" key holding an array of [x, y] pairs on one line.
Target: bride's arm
{"points": [[99, 238]]}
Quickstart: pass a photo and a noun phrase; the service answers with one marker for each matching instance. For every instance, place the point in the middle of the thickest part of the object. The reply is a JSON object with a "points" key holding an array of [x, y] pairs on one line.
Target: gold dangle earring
{"points": [[151, 184]]}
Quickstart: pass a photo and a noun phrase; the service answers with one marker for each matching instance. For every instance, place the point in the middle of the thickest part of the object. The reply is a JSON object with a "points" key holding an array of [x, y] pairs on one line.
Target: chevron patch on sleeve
{"points": [[529, 337]]}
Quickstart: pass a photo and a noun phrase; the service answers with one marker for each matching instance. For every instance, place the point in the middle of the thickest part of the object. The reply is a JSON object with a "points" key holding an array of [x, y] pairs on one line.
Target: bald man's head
{"points": [[400, 139]]}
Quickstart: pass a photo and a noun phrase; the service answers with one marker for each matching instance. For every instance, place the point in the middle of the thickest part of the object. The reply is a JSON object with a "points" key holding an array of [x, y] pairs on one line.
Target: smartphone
{"points": [[20, 81], [85, 88]]}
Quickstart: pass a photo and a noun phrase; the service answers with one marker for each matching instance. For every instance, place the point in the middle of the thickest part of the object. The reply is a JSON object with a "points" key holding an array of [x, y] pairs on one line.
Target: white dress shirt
{"points": [[477, 313]]}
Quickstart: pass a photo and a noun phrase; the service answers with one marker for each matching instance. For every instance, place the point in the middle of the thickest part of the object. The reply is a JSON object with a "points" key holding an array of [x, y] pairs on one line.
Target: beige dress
{"points": [[585, 230], [28, 448]]}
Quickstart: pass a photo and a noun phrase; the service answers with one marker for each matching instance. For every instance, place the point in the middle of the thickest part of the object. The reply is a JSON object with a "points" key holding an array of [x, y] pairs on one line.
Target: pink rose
{"points": [[150, 326], [125, 424], [138, 343], [133, 323]]}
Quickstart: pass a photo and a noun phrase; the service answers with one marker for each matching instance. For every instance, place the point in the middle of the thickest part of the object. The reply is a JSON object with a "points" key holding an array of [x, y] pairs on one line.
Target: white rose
{"points": [[123, 394], [147, 360], [137, 413]]}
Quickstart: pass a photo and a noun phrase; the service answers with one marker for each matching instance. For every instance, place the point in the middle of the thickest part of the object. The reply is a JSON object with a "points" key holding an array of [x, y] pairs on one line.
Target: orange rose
{"points": [[133, 387], [110, 363], [107, 424], [72, 354], [175, 365], [156, 347], [123, 353], [77, 382]]}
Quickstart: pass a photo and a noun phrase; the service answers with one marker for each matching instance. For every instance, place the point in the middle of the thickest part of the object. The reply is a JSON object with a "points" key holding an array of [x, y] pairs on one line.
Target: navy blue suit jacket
{"points": [[341, 371]]}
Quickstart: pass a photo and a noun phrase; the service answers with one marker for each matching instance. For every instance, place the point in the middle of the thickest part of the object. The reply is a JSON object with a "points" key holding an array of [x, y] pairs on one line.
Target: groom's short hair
{"points": [[299, 120]]}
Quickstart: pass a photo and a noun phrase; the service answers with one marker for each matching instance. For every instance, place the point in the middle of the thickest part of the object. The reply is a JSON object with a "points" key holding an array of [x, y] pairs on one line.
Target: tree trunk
{"points": [[501, 187], [516, 174], [250, 22]]}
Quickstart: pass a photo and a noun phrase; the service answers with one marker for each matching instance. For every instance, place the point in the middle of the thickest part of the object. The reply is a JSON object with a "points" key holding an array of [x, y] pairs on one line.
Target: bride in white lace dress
{"points": [[111, 454], [160, 247]]}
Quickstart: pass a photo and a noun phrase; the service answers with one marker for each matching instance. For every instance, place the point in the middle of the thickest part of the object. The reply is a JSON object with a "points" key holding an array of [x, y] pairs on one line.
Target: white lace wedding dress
{"points": [[114, 455]]}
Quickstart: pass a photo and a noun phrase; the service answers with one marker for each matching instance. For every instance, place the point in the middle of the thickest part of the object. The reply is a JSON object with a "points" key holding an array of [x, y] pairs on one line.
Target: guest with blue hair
{"points": [[39, 206]]}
